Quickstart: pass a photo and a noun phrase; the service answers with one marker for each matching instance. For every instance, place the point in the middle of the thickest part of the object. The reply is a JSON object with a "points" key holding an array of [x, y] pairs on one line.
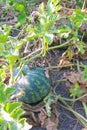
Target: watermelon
{"points": [[34, 84]]}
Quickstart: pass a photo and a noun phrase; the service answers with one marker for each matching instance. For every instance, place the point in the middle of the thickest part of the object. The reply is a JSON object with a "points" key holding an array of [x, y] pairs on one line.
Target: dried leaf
{"points": [[50, 123], [37, 115], [84, 128], [75, 77], [64, 60], [31, 113], [67, 56], [84, 56]]}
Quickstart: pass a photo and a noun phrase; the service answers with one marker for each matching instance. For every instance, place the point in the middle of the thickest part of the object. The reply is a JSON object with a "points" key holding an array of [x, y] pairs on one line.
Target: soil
{"points": [[67, 120]]}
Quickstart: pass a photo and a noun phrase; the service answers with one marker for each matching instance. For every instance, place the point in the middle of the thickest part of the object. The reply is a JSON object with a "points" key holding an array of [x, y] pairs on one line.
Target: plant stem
{"points": [[27, 61], [67, 99], [35, 52], [80, 117], [83, 4], [60, 46], [50, 48], [11, 73], [19, 72], [32, 58], [56, 67], [81, 97]]}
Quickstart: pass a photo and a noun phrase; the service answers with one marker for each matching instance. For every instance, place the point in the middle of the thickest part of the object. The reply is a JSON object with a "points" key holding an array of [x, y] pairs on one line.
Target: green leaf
{"points": [[77, 18], [80, 46], [2, 94], [76, 90], [19, 7], [2, 46], [13, 126], [50, 7], [3, 38], [22, 18], [22, 121], [9, 91], [10, 117], [49, 100], [2, 74], [64, 31], [84, 72], [17, 113], [79, 3], [4, 33], [12, 58], [48, 38], [10, 107], [41, 8], [55, 2], [3, 126]]}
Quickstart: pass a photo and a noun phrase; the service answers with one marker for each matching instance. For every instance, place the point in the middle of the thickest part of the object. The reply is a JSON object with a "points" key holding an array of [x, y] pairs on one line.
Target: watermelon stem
{"points": [[11, 81], [21, 67], [62, 66], [33, 54]]}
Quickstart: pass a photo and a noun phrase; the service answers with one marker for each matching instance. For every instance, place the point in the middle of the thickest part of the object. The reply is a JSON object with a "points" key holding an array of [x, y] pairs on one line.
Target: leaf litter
{"points": [[37, 115], [75, 77]]}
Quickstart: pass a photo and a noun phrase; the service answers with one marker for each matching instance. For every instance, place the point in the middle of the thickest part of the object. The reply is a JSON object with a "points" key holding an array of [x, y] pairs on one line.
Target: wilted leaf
{"points": [[74, 77], [65, 59], [50, 123], [37, 115]]}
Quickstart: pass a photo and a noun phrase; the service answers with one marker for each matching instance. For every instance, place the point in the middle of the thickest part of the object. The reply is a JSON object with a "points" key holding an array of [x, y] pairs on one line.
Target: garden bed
{"points": [[66, 66]]}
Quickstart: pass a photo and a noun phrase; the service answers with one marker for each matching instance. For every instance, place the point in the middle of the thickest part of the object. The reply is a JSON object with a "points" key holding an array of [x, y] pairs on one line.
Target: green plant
{"points": [[71, 30], [8, 51], [84, 71], [21, 9], [79, 3], [10, 112], [77, 19], [45, 27], [75, 91]]}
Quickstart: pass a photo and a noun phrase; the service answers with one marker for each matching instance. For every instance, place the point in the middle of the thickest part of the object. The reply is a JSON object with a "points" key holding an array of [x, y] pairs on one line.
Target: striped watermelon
{"points": [[34, 84]]}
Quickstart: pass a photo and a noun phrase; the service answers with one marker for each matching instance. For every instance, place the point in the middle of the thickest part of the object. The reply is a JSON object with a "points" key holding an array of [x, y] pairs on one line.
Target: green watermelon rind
{"points": [[35, 86]]}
